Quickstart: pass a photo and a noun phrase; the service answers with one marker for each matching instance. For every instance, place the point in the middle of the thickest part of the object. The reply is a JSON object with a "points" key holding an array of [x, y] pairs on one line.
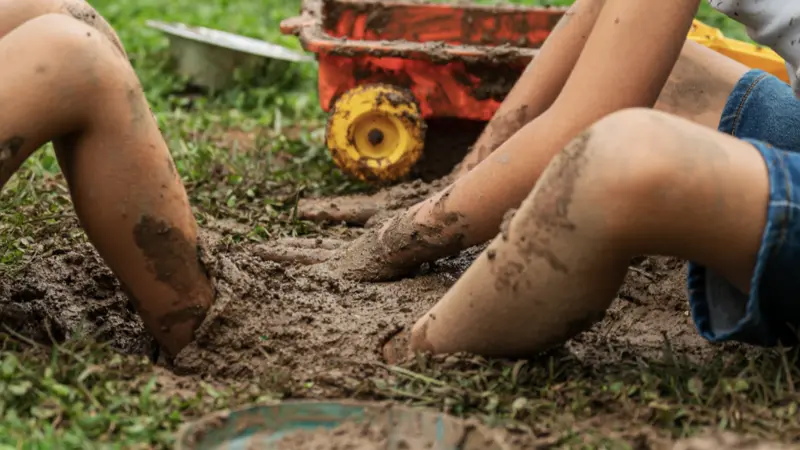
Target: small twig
{"points": [[787, 369], [42, 219], [297, 195], [22, 338], [401, 371], [642, 272]]}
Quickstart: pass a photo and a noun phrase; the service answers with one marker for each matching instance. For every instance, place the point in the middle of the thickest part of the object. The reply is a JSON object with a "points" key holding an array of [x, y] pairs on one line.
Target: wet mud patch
{"points": [[299, 333], [68, 294], [303, 321], [651, 315], [300, 324]]}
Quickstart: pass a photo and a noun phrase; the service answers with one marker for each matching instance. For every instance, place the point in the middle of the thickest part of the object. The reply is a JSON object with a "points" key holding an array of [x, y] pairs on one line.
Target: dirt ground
{"points": [[316, 336], [303, 329], [282, 318]]}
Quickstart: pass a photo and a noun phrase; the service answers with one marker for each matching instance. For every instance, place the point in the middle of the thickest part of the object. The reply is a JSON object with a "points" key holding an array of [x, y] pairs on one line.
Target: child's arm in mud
{"points": [[624, 64], [540, 84]]}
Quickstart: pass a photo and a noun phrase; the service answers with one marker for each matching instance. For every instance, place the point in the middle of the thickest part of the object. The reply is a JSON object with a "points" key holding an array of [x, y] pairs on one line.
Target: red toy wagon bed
{"points": [[385, 67]]}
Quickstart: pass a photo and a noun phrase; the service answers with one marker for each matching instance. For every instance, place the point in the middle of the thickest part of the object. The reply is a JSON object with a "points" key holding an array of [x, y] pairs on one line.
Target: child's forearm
{"points": [[625, 63], [540, 84]]}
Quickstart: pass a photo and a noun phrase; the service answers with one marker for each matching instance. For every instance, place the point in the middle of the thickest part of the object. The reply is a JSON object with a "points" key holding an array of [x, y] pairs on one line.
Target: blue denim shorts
{"points": [[763, 111]]}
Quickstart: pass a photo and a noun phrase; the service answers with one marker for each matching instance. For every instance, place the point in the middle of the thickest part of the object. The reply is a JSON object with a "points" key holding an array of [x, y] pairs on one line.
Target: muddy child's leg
{"points": [[699, 85], [15, 13], [63, 81], [637, 182]]}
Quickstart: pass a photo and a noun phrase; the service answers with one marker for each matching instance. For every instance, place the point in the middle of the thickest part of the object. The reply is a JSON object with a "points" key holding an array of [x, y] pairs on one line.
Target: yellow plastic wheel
{"points": [[376, 132]]}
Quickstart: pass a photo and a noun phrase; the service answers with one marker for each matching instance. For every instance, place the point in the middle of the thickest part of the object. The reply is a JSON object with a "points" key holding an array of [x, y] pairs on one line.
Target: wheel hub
{"points": [[375, 137]]}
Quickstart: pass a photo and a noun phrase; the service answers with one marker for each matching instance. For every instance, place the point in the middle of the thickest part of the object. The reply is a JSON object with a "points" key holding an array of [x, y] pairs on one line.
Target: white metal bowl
{"points": [[209, 58]]}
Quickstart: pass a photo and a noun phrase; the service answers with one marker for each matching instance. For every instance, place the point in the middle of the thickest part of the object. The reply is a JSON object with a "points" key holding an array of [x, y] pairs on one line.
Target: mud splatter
{"points": [[499, 130], [493, 82], [692, 90], [505, 225], [173, 258], [553, 196], [82, 11], [137, 105]]}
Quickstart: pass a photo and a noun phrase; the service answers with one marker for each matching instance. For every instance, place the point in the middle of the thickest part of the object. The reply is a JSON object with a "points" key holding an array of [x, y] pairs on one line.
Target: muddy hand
{"points": [[367, 258]]}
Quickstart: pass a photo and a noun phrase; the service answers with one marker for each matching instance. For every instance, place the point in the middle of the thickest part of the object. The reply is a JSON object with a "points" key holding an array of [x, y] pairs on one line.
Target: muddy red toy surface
{"points": [[385, 67]]}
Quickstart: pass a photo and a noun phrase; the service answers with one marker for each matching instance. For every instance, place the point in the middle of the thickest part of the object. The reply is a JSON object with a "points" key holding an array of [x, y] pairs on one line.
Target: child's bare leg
{"points": [[637, 182], [700, 84], [63, 81]]}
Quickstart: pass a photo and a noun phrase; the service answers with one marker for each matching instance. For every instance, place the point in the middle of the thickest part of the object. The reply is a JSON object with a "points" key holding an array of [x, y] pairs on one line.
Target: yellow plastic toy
{"points": [[748, 54], [376, 132]]}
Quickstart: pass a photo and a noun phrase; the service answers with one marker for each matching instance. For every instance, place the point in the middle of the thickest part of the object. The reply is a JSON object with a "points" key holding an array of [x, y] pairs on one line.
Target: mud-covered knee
{"points": [[81, 57], [595, 178], [84, 12], [21, 12]]}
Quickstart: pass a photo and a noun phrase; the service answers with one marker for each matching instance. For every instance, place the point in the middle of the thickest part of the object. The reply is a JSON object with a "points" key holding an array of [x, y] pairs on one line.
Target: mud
{"points": [[349, 436], [83, 12], [71, 293], [172, 257], [651, 314], [301, 325], [494, 82]]}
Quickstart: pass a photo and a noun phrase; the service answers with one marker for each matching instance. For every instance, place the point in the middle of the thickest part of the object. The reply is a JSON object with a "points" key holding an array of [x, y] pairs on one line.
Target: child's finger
{"points": [[354, 210], [298, 255], [311, 243]]}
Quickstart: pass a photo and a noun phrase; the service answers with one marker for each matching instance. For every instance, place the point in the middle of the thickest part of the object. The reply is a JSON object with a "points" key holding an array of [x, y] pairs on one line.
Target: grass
{"points": [[245, 155]]}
